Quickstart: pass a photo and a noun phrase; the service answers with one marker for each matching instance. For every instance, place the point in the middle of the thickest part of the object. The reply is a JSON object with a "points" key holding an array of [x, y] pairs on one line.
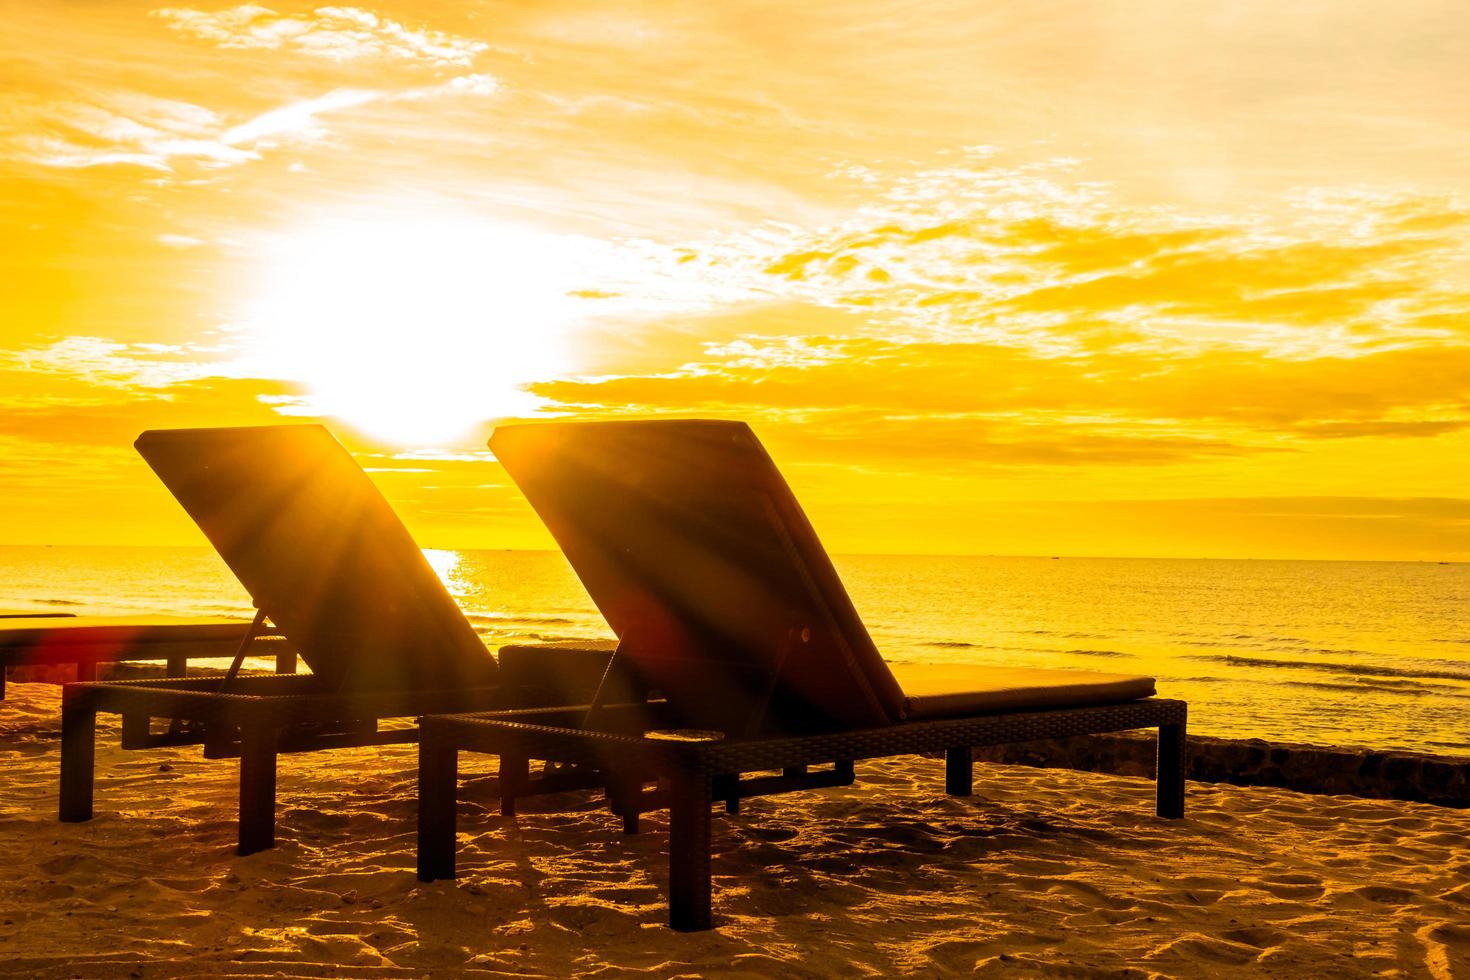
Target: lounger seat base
{"points": [[263, 716], [694, 775], [87, 641]]}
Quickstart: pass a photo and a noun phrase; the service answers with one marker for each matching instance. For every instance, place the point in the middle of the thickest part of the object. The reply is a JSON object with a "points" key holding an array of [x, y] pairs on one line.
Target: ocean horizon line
{"points": [[838, 554]]}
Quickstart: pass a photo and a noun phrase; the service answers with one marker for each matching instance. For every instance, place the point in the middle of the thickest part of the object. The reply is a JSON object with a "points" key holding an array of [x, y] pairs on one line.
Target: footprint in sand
{"points": [[1104, 917], [958, 954], [1090, 894], [1293, 886], [589, 919], [972, 955], [1459, 895], [1446, 949], [1195, 949], [1205, 890], [1455, 935], [1386, 895], [1203, 897], [1262, 937], [629, 895], [51, 891], [316, 819], [64, 864], [771, 835]]}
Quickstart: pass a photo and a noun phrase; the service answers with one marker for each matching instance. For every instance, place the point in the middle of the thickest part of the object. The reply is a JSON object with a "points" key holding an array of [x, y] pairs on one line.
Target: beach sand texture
{"points": [[1041, 873]]}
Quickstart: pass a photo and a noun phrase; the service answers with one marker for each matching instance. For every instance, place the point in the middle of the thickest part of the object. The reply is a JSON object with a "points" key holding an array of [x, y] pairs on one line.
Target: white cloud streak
{"points": [[110, 363], [129, 128], [335, 33]]}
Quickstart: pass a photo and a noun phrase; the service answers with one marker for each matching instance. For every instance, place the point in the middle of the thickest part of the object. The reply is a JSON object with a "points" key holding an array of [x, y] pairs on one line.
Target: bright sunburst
{"points": [[413, 329]]}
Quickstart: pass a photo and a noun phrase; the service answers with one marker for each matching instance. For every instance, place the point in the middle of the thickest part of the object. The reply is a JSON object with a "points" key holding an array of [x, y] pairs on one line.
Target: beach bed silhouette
{"points": [[326, 560], [86, 641], [724, 602]]}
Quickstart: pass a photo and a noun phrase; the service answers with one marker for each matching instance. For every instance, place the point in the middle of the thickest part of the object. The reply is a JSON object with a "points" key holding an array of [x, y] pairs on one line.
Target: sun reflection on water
{"points": [[445, 564]]}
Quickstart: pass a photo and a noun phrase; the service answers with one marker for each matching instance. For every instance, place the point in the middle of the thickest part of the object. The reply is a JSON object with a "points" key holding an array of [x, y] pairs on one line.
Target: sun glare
{"points": [[411, 329]]}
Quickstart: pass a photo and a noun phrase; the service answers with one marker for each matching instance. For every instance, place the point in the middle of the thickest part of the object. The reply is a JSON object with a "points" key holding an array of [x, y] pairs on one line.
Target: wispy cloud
{"points": [[119, 128], [180, 241], [111, 364], [336, 33], [298, 118], [976, 315], [135, 129], [1035, 257]]}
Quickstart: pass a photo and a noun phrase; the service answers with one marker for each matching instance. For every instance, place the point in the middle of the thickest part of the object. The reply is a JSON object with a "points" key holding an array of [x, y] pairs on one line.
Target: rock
{"points": [[1443, 780]]}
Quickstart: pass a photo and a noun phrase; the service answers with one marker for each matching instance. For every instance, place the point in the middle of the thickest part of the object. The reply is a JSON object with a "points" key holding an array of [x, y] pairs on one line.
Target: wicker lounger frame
{"points": [[698, 774], [261, 717], [176, 656]]}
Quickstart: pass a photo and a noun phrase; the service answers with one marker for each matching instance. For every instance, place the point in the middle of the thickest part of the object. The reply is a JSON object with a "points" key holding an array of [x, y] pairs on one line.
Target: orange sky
{"points": [[1127, 278]]}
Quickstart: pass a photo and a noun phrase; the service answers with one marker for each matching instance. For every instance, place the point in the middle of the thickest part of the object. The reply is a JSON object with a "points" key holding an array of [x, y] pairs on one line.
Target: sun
{"points": [[413, 329]]}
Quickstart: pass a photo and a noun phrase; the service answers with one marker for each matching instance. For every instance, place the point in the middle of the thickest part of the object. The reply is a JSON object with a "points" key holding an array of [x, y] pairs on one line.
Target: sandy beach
{"points": [[1042, 873]]}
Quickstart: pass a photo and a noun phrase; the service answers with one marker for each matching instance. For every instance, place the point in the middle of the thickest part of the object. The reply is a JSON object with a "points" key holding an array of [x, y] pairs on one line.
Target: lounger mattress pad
{"points": [[139, 630], [949, 690]]}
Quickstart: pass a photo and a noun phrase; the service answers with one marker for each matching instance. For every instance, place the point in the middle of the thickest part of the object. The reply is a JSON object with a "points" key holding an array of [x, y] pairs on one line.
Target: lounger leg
{"points": [[286, 661], [177, 667], [438, 801], [78, 757], [628, 795], [515, 773], [257, 788], [1170, 787], [959, 771], [3, 669], [728, 786], [136, 728], [689, 852], [623, 790]]}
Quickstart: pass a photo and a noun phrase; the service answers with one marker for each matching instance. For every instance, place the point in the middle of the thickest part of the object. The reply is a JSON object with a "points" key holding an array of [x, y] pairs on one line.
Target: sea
{"points": [[1339, 653]]}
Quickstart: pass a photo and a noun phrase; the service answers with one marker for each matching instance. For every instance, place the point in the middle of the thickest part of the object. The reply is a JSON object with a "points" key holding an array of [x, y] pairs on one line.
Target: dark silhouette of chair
{"points": [[28, 640], [725, 603], [324, 557]]}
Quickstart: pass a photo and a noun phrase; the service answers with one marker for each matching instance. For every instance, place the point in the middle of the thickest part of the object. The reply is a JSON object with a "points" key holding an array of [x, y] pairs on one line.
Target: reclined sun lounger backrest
{"points": [[322, 554], [701, 560]]}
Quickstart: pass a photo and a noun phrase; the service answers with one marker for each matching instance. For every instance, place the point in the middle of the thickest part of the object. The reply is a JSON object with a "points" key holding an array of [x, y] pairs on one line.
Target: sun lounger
{"points": [[325, 558], [89, 640], [701, 560]]}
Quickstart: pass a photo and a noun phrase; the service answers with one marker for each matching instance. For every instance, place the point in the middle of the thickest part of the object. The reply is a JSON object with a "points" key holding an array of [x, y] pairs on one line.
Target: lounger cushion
{"points": [[119, 631], [950, 690]]}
